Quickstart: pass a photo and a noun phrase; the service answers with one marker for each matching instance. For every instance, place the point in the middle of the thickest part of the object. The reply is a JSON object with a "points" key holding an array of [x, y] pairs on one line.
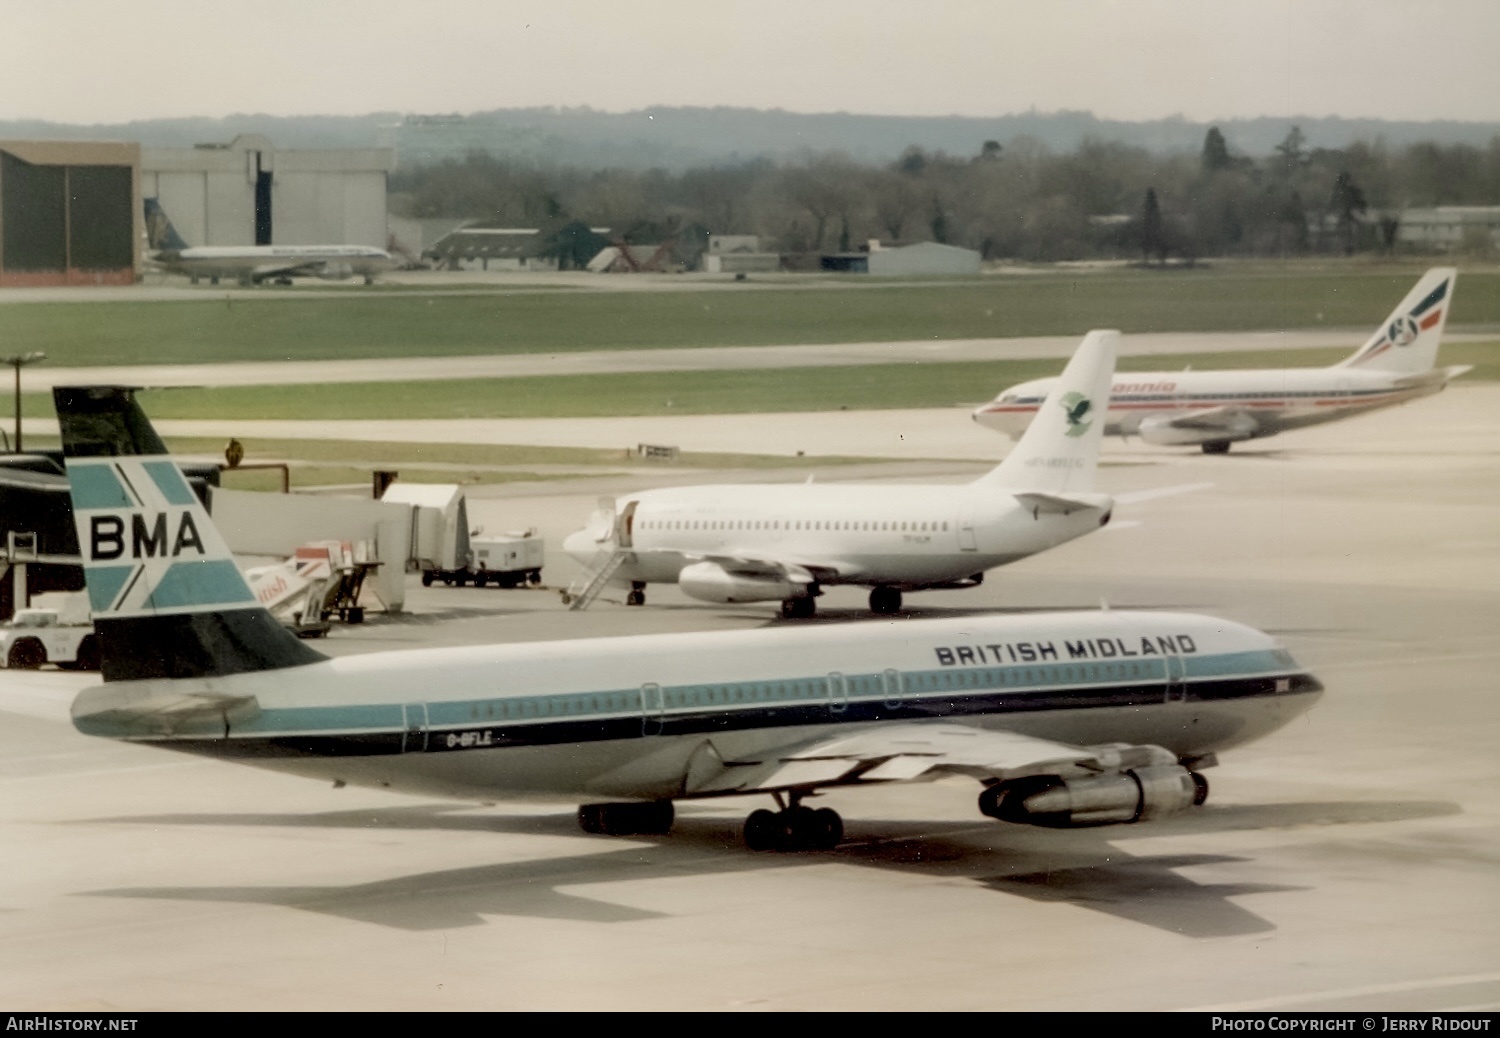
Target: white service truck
{"points": [[55, 628], [445, 550], [510, 560]]}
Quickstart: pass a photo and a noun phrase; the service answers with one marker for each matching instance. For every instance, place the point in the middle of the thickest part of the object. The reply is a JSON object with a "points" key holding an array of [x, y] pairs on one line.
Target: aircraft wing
{"points": [[915, 751], [1210, 419], [753, 565]]}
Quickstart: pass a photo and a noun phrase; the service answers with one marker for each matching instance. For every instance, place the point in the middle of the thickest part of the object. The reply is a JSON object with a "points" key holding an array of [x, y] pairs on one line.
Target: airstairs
{"points": [[588, 585]]}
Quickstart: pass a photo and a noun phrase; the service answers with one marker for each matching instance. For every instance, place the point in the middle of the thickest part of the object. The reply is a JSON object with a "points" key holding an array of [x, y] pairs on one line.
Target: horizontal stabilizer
{"points": [[121, 710], [1437, 376], [1062, 504]]}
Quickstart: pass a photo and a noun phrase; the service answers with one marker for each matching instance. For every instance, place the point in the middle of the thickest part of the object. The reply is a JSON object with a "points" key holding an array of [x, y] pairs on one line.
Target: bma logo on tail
{"points": [[1077, 407], [149, 547]]}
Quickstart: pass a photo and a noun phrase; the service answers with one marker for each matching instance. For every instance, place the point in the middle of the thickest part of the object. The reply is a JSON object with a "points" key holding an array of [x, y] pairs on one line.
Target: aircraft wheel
{"points": [[827, 829], [1200, 789], [26, 654], [799, 608], [1216, 447], [762, 830], [635, 598], [885, 600]]}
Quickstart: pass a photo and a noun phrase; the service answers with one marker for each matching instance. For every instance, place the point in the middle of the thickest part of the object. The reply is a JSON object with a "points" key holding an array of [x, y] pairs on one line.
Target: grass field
{"points": [[748, 391], [367, 325], [318, 463]]}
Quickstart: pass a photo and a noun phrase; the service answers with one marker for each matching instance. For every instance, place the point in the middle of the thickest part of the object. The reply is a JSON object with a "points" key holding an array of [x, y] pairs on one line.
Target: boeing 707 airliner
{"points": [[1062, 719]]}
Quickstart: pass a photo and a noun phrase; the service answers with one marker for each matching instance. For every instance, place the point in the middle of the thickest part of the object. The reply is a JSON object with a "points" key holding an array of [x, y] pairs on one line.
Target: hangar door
{"points": [[57, 218]]}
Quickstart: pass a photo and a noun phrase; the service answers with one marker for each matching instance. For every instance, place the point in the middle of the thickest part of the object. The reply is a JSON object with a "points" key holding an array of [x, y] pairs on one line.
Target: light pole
{"points": [[17, 362]]}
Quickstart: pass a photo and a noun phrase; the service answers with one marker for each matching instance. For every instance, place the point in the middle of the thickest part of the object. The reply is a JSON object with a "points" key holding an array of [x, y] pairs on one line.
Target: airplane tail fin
{"points": [[1407, 343], [1059, 451], [167, 598], [160, 234]]}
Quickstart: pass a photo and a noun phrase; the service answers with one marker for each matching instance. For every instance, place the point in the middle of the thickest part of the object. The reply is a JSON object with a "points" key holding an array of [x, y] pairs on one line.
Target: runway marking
{"points": [[1334, 993]]}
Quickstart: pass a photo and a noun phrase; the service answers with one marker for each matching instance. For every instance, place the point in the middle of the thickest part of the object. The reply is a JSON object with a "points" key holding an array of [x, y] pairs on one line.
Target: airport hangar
{"points": [[71, 212]]}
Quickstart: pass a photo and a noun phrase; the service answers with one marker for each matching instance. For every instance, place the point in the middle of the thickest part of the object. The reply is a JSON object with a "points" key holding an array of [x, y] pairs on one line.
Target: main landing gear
{"points": [[1216, 447], [885, 600], [637, 593], [793, 827], [653, 818]]}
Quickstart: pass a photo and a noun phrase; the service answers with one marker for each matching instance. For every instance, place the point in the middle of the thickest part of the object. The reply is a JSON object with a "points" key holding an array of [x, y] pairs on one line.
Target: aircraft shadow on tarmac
{"points": [[1078, 867]]}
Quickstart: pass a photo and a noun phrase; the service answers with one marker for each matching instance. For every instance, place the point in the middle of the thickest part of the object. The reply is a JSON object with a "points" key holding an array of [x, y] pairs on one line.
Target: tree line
{"points": [[1017, 201]]}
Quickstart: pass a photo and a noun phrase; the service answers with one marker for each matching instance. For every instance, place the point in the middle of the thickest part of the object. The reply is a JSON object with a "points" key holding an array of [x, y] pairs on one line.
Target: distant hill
{"points": [[676, 138]]}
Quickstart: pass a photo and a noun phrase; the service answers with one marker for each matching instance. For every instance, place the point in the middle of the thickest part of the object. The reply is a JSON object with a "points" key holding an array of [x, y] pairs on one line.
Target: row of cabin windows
{"points": [[793, 524], [810, 690], [1177, 397]]}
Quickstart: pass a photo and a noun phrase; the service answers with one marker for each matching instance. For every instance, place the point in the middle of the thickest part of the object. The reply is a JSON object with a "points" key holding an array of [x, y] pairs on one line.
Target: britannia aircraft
{"points": [[1214, 409]]}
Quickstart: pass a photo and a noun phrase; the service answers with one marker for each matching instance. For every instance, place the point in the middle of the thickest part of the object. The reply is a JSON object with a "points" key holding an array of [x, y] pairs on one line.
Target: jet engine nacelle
{"points": [[1158, 429], [713, 583], [335, 271], [1130, 796]]}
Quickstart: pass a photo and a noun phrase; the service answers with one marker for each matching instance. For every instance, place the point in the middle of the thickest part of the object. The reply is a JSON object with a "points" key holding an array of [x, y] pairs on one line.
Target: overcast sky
{"points": [[91, 61]]}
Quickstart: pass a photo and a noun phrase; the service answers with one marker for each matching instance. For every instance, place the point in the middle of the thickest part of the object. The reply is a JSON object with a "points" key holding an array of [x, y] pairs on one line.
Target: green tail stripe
{"points": [[104, 583], [95, 486], [209, 582], [169, 481]]}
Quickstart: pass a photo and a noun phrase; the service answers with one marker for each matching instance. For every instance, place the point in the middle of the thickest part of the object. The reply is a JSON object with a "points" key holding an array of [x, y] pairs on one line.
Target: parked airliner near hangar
{"points": [[1064, 719], [769, 542], [252, 264], [1214, 409]]}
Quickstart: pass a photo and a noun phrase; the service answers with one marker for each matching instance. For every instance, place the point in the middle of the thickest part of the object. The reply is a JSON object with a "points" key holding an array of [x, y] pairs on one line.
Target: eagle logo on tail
{"points": [[1077, 407]]}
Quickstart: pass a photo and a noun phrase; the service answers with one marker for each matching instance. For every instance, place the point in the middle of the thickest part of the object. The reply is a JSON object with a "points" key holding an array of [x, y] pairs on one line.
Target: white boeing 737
{"points": [[252, 264], [1064, 719], [769, 542], [1214, 409]]}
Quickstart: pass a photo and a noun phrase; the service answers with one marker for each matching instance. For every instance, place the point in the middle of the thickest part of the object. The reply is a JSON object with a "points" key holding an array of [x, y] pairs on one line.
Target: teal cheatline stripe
{"points": [[104, 583], [95, 486], [1255, 661], [169, 481], [210, 582]]}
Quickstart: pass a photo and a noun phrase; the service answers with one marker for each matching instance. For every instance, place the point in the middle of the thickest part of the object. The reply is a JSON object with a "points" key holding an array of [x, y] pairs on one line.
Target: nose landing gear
{"points": [[793, 828]]}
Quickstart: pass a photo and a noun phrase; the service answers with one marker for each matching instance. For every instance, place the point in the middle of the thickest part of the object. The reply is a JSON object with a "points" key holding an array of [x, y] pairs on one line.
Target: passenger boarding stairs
{"points": [[591, 582]]}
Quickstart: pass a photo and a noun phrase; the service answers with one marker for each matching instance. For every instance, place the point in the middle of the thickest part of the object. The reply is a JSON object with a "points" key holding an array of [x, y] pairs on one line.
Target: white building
{"points": [[1446, 228], [247, 192], [922, 258]]}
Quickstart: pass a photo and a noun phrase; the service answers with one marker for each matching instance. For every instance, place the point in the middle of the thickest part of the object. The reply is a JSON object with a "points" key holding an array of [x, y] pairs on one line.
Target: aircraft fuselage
{"points": [[868, 535], [1274, 400], [665, 716]]}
